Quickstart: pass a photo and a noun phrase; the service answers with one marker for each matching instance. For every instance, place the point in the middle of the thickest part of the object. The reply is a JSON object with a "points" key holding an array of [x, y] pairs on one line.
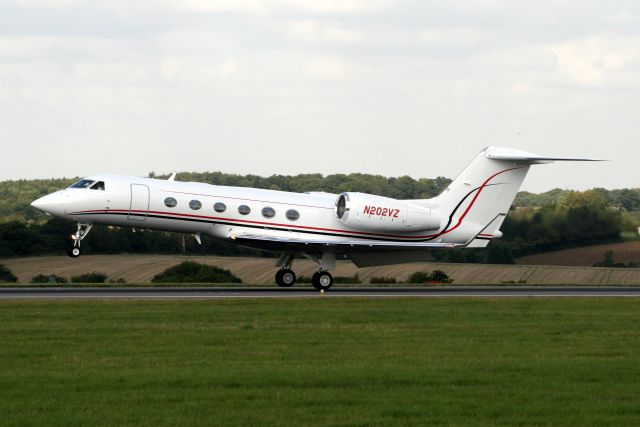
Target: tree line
{"points": [[537, 222]]}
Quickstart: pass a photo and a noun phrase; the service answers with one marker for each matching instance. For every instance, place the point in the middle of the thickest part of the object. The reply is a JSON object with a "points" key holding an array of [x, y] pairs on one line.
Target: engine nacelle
{"points": [[376, 213]]}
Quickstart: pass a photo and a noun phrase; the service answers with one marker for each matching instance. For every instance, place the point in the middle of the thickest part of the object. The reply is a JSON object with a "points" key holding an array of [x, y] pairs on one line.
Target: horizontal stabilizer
{"points": [[512, 154]]}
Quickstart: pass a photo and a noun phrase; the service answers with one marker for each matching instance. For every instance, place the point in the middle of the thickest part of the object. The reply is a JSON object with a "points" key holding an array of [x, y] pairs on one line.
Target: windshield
{"points": [[83, 183]]}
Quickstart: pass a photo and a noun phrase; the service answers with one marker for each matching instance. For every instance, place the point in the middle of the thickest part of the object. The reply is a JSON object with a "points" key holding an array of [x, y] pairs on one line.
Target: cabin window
{"points": [[219, 207], [244, 210], [292, 215], [83, 183], [170, 202], [268, 212], [98, 186], [195, 205]]}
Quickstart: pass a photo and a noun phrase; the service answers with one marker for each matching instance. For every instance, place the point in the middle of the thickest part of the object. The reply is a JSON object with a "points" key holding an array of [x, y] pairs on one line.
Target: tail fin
{"points": [[477, 201]]}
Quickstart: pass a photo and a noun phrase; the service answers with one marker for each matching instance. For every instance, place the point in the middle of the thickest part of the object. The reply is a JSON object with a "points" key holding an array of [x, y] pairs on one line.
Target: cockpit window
{"points": [[98, 186], [83, 183]]}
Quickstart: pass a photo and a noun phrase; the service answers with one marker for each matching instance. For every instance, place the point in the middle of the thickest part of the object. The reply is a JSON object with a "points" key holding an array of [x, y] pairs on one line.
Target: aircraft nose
{"points": [[50, 204]]}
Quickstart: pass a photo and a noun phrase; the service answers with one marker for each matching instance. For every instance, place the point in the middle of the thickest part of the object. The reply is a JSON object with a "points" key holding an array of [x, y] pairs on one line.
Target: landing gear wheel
{"points": [[322, 280], [285, 278], [73, 252], [77, 237]]}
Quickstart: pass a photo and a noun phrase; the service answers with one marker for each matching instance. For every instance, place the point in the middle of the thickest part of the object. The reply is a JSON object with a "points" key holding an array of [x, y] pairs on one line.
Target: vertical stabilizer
{"points": [[477, 201]]}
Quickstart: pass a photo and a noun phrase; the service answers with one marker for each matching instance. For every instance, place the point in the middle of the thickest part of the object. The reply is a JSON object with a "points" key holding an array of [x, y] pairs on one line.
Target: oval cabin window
{"points": [[244, 209], [170, 202], [219, 207], [268, 212], [195, 205], [292, 215]]}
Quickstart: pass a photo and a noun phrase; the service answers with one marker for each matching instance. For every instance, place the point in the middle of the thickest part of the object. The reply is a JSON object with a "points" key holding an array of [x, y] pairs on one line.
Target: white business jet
{"points": [[367, 229]]}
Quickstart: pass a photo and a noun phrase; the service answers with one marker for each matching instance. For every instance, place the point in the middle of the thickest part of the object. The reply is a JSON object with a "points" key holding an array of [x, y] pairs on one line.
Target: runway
{"points": [[308, 292]]}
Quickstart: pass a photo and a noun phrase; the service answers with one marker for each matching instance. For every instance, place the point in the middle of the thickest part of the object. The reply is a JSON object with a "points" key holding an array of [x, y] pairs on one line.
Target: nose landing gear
{"points": [[80, 234]]}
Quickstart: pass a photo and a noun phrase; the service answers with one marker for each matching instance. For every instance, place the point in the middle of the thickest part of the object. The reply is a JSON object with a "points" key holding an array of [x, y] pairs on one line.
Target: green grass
{"points": [[321, 361]]}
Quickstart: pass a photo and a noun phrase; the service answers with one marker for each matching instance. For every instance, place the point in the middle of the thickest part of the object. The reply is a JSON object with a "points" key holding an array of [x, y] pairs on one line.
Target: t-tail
{"points": [[477, 201]]}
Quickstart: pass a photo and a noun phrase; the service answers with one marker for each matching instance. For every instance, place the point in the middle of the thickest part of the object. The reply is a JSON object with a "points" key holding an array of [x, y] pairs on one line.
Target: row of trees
{"points": [[552, 220], [575, 219], [16, 196], [625, 199]]}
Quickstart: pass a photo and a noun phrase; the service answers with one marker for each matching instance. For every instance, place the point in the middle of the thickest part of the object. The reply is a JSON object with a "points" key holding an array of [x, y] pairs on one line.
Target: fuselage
{"points": [[219, 211]]}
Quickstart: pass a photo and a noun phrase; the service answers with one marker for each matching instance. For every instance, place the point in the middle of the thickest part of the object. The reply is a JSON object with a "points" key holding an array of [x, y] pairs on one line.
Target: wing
{"points": [[257, 240]]}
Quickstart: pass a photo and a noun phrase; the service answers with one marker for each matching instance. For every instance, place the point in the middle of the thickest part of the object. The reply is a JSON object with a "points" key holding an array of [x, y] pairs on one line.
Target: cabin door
{"points": [[139, 207]]}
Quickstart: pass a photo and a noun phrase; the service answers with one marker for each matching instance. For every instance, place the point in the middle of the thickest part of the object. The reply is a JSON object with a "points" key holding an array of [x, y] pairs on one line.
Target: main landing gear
{"points": [[80, 234], [321, 280], [285, 277]]}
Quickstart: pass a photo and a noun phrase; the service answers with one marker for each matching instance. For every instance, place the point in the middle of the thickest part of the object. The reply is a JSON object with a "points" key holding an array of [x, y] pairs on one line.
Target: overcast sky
{"points": [[375, 86]]}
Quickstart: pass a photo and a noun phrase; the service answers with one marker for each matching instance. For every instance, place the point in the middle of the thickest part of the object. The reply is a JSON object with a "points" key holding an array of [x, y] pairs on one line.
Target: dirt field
{"points": [[141, 268], [586, 256]]}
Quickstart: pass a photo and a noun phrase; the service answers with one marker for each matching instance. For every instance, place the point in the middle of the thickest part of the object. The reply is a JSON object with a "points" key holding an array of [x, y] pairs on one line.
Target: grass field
{"points": [[321, 362]]}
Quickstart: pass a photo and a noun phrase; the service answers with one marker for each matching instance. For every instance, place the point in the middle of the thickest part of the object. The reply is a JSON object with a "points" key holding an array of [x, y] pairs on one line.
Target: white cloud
{"points": [[326, 68], [598, 59], [314, 31], [380, 86], [246, 6]]}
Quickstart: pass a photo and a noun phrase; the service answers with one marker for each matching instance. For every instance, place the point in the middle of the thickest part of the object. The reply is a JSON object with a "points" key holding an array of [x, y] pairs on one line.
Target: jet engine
{"points": [[375, 213]]}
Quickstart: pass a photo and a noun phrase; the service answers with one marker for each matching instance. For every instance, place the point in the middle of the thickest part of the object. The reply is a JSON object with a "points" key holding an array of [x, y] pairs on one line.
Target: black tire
{"points": [[322, 280], [285, 278], [73, 252]]}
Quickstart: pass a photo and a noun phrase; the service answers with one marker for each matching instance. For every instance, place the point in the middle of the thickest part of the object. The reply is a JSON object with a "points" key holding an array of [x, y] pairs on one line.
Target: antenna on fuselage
{"points": [[172, 177]]}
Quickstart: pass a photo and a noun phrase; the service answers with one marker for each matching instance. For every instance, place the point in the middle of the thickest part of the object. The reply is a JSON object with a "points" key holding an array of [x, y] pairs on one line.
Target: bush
{"points": [[6, 275], [438, 276], [193, 272], [382, 280], [48, 278], [419, 277], [94, 277], [608, 261]]}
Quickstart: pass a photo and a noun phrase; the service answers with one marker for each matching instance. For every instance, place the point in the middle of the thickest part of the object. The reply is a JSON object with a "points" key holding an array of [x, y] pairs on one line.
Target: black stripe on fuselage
{"points": [[260, 227], [453, 212]]}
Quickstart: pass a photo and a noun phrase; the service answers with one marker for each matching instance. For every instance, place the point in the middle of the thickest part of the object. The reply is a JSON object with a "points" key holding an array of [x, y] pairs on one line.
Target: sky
{"points": [[309, 86]]}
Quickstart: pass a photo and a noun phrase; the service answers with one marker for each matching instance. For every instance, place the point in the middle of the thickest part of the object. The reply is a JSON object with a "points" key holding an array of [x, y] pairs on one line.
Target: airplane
{"points": [[367, 229]]}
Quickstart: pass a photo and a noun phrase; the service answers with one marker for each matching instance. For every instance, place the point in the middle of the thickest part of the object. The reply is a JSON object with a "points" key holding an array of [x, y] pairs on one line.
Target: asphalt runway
{"points": [[309, 292]]}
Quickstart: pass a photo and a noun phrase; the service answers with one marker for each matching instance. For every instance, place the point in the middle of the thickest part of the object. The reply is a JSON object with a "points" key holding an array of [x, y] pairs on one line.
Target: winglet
{"points": [[172, 177]]}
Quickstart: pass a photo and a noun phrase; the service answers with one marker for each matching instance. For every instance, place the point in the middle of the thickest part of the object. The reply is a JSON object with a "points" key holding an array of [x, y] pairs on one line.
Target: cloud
{"points": [[326, 67], [379, 85], [599, 59], [314, 31]]}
